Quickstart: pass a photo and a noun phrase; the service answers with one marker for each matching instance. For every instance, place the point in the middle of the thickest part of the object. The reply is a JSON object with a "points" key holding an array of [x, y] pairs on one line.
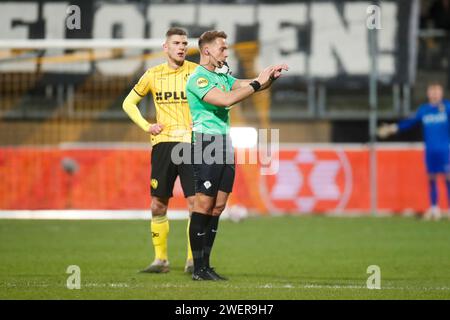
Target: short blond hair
{"points": [[210, 36]]}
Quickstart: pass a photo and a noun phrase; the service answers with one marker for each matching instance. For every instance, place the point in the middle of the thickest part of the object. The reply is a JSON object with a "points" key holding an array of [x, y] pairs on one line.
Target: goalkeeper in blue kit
{"points": [[434, 118]]}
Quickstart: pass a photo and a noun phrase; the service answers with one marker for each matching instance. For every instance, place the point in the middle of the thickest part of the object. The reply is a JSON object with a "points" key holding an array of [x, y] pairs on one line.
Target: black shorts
{"points": [[213, 162], [165, 171]]}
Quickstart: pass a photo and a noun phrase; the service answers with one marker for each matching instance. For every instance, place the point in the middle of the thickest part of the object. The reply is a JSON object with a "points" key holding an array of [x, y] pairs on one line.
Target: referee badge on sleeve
{"points": [[154, 183], [202, 82]]}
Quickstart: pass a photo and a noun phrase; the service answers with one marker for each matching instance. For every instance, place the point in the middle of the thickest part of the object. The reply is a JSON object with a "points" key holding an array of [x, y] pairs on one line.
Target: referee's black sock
{"points": [[211, 230], [197, 233]]}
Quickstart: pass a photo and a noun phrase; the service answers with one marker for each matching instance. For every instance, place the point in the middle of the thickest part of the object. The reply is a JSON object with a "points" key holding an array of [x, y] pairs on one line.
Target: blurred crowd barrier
{"points": [[325, 43]]}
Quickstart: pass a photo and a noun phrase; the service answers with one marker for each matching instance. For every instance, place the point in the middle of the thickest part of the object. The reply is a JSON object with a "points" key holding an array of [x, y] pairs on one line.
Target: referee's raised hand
{"points": [[274, 73], [265, 75], [278, 69]]}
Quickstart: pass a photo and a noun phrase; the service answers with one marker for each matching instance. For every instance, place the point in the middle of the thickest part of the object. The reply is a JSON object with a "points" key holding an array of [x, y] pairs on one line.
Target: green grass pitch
{"points": [[293, 257]]}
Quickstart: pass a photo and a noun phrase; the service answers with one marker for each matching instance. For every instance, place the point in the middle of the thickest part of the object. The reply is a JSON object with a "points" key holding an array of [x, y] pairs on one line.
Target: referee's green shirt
{"points": [[208, 118]]}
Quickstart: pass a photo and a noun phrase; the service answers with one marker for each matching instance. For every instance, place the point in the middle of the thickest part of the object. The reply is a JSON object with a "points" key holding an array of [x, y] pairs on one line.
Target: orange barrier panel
{"points": [[308, 180], [318, 180]]}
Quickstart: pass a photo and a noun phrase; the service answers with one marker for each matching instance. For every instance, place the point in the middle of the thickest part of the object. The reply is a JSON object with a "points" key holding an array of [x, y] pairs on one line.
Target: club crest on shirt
{"points": [[202, 82], [154, 183]]}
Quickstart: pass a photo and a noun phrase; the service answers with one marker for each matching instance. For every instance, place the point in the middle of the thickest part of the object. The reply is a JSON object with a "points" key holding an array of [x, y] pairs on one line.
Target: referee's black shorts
{"points": [[165, 171], [213, 163]]}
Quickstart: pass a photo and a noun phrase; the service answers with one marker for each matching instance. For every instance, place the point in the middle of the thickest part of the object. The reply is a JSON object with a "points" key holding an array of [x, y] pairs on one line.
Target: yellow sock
{"points": [[189, 251], [160, 231]]}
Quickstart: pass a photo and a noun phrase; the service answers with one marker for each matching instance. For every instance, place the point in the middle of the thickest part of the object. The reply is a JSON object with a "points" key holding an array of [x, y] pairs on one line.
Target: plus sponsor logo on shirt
{"points": [[171, 95]]}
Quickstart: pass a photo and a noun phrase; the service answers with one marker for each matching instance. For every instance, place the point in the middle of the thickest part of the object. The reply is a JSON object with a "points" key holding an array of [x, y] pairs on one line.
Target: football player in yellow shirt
{"points": [[167, 83]]}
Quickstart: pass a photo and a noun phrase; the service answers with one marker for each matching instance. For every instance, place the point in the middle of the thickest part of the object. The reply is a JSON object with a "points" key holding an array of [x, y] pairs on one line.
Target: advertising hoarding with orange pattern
{"points": [[328, 178]]}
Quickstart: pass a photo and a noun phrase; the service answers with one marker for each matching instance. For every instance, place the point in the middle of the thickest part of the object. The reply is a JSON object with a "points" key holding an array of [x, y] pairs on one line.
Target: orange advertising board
{"points": [[308, 179]]}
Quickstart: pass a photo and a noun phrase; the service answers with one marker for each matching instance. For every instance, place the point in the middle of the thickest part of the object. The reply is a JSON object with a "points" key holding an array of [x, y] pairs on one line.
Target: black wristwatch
{"points": [[255, 85]]}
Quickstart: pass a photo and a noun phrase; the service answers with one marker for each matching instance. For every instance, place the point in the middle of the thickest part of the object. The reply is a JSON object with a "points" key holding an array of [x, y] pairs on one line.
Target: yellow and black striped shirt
{"points": [[168, 87]]}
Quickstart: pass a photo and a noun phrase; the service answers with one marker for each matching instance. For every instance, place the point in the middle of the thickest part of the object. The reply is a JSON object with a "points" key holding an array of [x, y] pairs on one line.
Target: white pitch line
{"points": [[93, 214], [121, 285]]}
